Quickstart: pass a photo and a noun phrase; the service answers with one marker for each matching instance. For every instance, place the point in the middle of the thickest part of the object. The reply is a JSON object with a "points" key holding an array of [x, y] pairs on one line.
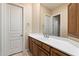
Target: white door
{"points": [[15, 39]]}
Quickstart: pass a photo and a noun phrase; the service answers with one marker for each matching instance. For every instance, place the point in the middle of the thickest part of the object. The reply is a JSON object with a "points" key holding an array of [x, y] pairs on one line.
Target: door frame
{"points": [[4, 28]]}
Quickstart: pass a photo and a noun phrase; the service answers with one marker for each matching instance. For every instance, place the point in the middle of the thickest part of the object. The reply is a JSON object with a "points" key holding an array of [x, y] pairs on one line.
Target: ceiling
{"points": [[52, 6]]}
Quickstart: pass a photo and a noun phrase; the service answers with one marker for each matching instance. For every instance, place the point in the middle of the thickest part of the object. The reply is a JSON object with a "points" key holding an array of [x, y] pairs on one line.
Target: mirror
{"points": [[52, 25]]}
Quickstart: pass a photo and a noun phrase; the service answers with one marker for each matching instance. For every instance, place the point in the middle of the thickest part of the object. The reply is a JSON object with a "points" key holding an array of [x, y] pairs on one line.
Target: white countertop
{"points": [[63, 44]]}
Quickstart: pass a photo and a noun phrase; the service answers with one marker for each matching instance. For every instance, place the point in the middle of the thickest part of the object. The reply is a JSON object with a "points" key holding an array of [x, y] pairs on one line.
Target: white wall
{"points": [[63, 11]]}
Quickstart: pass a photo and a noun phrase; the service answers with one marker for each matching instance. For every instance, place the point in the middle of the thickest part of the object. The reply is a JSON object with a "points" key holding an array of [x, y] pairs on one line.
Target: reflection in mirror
{"points": [[56, 25], [47, 26], [52, 25]]}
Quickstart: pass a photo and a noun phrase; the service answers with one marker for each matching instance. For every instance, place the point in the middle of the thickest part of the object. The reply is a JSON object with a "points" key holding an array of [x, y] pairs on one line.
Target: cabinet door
{"points": [[72, 19], [35, 49], [30, 44], [55, 52], [42, 52], [46, 47], [78, 20]]}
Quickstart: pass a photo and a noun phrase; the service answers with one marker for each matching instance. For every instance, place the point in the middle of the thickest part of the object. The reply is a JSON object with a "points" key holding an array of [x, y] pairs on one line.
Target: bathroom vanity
{"points": [[52, 46], [39, 48]]}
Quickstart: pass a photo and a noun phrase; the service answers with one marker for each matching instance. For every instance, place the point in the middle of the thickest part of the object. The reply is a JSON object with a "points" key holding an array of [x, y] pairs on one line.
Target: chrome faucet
{"points": [[46, 35]]}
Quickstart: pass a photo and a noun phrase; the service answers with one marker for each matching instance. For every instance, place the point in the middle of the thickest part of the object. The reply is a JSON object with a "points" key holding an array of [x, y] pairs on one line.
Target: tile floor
{"points": [[23, 53]]}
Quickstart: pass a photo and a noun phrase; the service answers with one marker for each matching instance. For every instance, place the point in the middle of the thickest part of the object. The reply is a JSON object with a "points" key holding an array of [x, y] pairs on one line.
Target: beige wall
{"points": [[38, 13], [28, 21], [36, 17], [28, 17], [63, 11], [43, 11], [33, 19]]}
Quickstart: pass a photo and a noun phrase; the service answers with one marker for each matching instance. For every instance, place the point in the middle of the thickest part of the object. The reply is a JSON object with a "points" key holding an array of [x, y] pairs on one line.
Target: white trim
{"points": [[0, 29], [3, 29]]}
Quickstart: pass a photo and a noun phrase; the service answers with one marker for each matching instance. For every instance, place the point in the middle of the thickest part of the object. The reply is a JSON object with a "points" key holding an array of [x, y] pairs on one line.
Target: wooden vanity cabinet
{"points": [[30, 44], [42, 52], [55, 52], [46, 47], [73, 20], [38, 48], [78, 20], [34, 49]]}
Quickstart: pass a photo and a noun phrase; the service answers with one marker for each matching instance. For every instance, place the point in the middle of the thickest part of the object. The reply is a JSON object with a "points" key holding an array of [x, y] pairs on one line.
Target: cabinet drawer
{"points": [[37, 42], [55, 52], [46, 47], [42, 52], [34, 49], [33, 40]]}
